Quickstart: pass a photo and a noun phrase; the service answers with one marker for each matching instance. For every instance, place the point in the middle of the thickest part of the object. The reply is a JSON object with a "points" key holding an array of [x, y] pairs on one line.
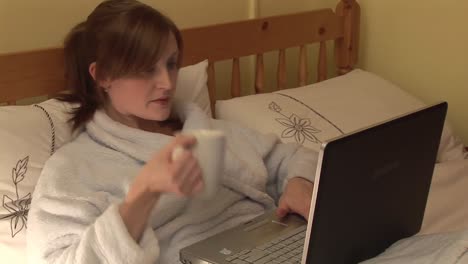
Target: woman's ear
{"points": [[92, 70]]}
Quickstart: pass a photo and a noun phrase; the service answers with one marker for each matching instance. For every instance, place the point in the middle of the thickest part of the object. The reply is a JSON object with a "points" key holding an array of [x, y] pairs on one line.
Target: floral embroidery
{"points": [[299, 128], [313, 110], [18, 208]]}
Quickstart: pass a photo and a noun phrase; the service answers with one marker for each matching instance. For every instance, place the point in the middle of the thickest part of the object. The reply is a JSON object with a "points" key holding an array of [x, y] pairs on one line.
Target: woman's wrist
{"points": [[136, 208], [140, 193], [142, 200]]}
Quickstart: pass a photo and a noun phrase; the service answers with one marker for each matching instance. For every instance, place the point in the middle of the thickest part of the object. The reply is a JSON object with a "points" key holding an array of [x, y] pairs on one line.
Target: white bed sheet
{"points": [[447, 205]]}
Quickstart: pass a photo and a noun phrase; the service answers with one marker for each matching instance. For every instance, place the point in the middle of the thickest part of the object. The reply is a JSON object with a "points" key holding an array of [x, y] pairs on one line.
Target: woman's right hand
{"points": [[161, 174], [182, 176]]}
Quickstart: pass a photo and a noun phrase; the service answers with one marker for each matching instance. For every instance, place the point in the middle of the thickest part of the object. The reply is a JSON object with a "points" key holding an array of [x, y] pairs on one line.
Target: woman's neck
{"points": [[167, 127]]}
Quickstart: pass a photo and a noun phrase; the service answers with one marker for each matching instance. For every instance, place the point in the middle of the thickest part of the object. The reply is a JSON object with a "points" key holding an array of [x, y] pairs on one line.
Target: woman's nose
{"points": [[163, 80]]}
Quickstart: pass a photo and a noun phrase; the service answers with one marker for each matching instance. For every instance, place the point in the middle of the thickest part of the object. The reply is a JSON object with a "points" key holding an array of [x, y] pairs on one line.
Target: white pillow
{"points": [[192, 85], [28, 136], [312, 114]]}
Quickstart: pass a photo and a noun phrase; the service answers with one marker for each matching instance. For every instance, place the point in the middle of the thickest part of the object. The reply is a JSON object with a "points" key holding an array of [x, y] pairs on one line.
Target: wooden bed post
{"points": [[347, 48]]}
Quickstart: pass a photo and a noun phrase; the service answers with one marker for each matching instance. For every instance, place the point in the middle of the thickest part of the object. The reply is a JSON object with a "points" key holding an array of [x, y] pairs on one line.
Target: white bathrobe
{"points": [[74, 214]]}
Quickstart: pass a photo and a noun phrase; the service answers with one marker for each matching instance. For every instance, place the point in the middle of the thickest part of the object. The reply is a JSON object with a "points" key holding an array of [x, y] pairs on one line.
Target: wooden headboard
{"points": [[40, 72]]}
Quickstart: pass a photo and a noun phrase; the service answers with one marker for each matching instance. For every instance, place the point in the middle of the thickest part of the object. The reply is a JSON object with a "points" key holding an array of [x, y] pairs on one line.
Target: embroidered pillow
{"points": [[28, 136], [312, 114]]}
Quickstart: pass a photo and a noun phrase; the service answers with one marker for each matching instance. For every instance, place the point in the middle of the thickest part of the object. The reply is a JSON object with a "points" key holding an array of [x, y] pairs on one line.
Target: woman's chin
{"points": [[159, 113]]}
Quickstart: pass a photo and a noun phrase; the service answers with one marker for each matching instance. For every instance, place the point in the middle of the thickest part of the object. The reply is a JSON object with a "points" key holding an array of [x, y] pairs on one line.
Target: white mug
{"points": [[209, 151]]}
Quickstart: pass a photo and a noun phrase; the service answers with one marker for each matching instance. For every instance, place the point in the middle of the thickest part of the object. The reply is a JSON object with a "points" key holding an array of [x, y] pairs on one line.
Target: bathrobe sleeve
{"points": [[283, 161], [69, 222]]}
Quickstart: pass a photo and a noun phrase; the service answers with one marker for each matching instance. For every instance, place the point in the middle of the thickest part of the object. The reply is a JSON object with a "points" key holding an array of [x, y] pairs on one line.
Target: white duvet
{"points": [[444, 235], [446, 248], [447, 205]]}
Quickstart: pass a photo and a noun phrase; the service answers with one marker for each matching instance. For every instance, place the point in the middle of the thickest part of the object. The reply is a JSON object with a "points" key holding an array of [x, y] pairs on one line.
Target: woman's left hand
{"points": [[296, 198]]}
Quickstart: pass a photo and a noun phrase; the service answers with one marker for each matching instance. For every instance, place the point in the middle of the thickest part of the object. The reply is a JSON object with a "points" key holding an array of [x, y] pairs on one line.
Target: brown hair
{"points": [[123, 37]]}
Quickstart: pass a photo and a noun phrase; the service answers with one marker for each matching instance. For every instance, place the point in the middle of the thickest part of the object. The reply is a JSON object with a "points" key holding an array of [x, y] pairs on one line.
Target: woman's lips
{"points": [[162, 101]]}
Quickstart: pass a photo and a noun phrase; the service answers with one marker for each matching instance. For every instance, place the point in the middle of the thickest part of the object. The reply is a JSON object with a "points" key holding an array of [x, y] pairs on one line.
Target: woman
{"points": [[114, 194]]}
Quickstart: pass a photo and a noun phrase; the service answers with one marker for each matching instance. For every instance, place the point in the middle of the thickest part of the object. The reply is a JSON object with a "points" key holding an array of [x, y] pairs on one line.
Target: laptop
{"points": [[371, 188]]}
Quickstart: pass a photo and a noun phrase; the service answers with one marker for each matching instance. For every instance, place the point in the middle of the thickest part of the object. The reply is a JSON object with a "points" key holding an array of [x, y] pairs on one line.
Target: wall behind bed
{"points": [[31, 24], [421, 46]]}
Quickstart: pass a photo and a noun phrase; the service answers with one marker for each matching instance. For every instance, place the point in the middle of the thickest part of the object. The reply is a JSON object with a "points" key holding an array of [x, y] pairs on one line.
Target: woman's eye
{"points": [[172, 65]]}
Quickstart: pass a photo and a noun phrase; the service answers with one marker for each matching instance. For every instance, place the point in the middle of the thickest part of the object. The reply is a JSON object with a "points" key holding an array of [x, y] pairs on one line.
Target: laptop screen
{"points": [[372, 187]]}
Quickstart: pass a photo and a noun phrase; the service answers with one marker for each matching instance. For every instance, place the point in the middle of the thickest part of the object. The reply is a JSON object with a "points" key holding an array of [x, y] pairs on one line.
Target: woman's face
{"points": [[149, 96]]}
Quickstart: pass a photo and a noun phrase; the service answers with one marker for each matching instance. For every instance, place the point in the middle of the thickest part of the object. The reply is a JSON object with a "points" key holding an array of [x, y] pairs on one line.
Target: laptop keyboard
{"points": [[286, 248]]}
